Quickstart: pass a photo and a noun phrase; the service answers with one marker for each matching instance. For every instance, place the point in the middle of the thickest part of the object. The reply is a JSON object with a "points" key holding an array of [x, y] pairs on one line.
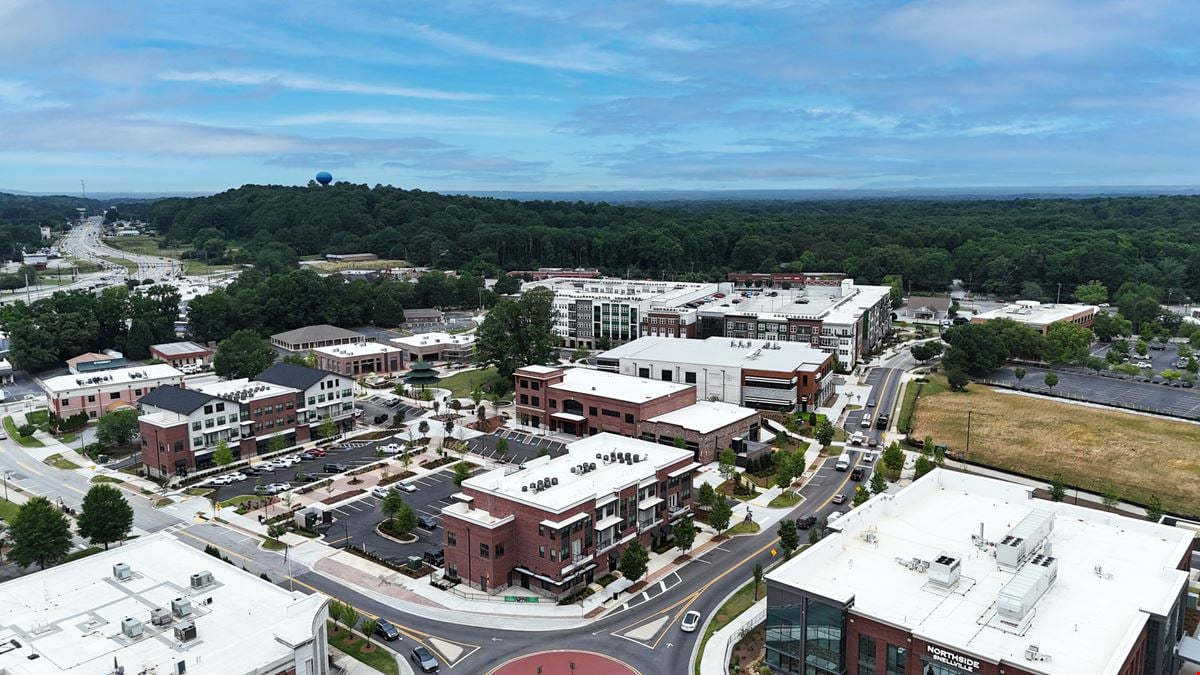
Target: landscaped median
{"points": [[23, 441]]}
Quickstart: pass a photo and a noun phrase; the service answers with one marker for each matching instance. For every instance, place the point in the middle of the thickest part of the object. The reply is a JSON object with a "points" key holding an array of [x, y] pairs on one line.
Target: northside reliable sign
{"points": [[950, 658]]}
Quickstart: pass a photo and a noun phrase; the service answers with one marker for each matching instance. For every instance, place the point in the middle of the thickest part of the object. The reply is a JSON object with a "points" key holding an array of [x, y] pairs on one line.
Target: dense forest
{"points": [[1010, 247]]}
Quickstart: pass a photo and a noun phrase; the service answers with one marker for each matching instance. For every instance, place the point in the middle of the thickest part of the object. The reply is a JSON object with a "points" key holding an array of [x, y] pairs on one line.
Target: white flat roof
{"points": [[539, 370], [435, 340], [231, 388], [357, 349], [706, 416], [625, 290], [1086, 622], [574, 488], [615, 386], [114, 377], [826, 303], [722, 352], [1028, 311], [70, 615]]}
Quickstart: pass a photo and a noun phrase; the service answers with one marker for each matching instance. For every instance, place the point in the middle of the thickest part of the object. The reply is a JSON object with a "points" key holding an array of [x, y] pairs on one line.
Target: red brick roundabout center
{"points": [[564, 662]]}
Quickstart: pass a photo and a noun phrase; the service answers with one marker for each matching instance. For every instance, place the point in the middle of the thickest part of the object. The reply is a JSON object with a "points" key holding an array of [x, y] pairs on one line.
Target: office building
{"points": [[454, 348], [309, 338], [763, 374], [360, 358], [157, 605], [424, 318], [584, 402], [96, 394], [179, 354], [1039, 316], [556, 525], [959, 574], [91, 362], [705, 427]]}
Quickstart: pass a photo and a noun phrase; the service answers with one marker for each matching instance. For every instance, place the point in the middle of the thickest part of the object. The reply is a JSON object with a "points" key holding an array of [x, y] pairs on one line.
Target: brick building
{"points": [[557, 524], [454, 348], [309, 338], [96, 394], [706, 427], [586, 402], [959, 574], [360, 358], [179, 354], [1039, 316]]}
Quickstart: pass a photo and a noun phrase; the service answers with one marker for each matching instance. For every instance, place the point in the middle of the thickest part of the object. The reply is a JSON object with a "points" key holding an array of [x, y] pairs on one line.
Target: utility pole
{"points": [[967, 452], [1058, 298]]}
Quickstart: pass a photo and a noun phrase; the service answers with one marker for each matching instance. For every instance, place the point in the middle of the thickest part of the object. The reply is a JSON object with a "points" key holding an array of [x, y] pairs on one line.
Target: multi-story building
{"points": [[959, 574], [157, 605], [424, 318], [96, 394], [457, 348], [311, 337], [763, 374], [1039, 316], [556, 524], [322, 396], [360, 358], [586, 402], [586, 310], [705, 427], [543, 273], [180, 428], [92, 362], [180, 354]]}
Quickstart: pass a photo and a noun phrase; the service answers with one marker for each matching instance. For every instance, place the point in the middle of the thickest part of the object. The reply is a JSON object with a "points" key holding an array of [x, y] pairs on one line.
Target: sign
{"points": [[519, 598], [952, 659], [774, 553]]}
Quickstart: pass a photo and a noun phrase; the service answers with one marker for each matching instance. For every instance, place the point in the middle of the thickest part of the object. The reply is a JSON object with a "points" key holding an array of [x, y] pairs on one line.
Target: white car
{"points": [[406, 487], [1144, 364], [390, 448], [220, 480], [381, 492], [690, 621], [236, 476]]}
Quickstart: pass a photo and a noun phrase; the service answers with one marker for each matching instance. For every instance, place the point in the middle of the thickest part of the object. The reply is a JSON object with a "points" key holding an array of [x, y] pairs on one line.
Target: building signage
{"points": [[949, 658]]}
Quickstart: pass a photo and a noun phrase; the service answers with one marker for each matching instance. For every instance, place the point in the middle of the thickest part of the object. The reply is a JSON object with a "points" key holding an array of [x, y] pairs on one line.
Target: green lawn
{"points": [[382, 659], [23, 441], [744, 527], [273, 544], [67, 438], [141, 245], [129, 266], [8, 510], [39, 419], [240, 499], [106, 479], [57, 461], [785, 500], [193, 267], [461, 384]]}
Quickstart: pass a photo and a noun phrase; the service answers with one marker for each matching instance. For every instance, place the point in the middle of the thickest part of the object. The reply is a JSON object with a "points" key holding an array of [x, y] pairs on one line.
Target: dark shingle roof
{"points": [[177, 399], [319, 333], [296, 377]]}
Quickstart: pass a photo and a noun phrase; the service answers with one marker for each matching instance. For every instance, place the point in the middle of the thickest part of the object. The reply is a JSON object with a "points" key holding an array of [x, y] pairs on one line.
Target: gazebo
{"points": [[421, 375]]}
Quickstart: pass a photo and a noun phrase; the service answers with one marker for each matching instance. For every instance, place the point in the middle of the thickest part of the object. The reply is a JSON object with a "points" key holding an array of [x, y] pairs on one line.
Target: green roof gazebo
{"points": [[421, 375]]}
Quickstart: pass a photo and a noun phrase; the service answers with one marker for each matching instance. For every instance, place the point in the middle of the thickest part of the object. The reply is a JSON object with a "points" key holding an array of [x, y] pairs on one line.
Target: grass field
{"points": [[360, 265], [194, 268], [461, 384], [141, 246], [23, 441], [381, 659], [1089, 446], [8, 510]]}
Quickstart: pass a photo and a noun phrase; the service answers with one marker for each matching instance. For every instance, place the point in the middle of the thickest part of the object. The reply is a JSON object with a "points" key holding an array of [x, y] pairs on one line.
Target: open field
{"points": [[142, 246], [463, 383], [130, 266], [1089, 446], [359, 265]]}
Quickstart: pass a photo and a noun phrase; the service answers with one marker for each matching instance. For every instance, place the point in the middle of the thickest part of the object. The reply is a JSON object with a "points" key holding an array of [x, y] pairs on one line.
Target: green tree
{"points": [[328, 428], [308, 360], [789, 537], [519, 332], [861, 495], [706, 496], [896, 285], [1067, 342], [1093, 292], [720, 515], [462, 471], [117, 427], [893, 457], [788, 466], [923, 466], [824, 432], [974, 349], [501, 447], [399, 512], [243, 354], [39, 533], [957, 379], [685, 534], [1154, 508], [878, 483], [758, 579], [368, 628], [1110, 497], [338, 611], [1051, 380], [223, 455], [633, 561], [1108, 326], [105, 517], [1142, 347], [727, 464], [477, 395], [1058, 488]]}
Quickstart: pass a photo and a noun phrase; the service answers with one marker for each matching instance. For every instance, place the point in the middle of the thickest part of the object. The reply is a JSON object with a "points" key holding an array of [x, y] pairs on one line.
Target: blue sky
{"points": [[527, 95]]}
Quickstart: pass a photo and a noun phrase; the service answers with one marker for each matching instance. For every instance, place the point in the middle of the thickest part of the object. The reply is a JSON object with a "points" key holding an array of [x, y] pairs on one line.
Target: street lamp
{"points": [[6, 474]]}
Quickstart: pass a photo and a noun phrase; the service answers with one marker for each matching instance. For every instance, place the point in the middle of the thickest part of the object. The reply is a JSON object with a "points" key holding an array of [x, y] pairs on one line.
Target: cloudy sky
{"points": [[530, 95]]}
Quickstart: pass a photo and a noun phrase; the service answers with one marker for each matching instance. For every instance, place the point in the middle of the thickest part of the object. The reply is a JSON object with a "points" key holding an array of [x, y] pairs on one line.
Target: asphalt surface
{"points": [[354, 523], [522, 446], [354, 454], [1123, 392], [885, 390]]}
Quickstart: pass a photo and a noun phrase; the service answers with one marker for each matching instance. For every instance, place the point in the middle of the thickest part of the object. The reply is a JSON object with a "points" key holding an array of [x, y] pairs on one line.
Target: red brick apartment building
{"points": [[585, 402], [557, 524]]}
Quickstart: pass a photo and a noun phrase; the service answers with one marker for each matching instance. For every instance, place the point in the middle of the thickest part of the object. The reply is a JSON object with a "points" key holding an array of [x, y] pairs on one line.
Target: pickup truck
{"points": [[856, 474]]}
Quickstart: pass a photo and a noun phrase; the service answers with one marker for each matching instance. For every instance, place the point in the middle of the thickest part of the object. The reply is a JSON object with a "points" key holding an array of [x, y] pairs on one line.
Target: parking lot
{"points": [[354, 523], [1109, 389], [376, 405], [353, 454], [522, 446]]}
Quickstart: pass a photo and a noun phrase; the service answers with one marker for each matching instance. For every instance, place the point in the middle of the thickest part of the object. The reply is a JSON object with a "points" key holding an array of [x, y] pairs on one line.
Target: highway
{"points": [[83, 241]]}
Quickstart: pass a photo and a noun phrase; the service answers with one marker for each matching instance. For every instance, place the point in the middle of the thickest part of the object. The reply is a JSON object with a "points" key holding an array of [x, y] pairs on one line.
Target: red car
{"points": [[318, 452]]}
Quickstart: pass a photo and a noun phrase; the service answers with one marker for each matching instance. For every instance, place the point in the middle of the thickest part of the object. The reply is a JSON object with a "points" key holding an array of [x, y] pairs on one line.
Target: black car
{"points": [[856, 474], [424, 659], [806, 522], [336, 468], [380, 419], [436, 558], [427, 522], [305, 477], [385, 630]]}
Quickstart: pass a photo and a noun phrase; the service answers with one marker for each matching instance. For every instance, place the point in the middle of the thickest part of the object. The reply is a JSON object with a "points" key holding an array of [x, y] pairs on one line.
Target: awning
{"points": [[649, 503], [601, 501], [607, 523], [679, 472], [569, 417], [563, 523]]}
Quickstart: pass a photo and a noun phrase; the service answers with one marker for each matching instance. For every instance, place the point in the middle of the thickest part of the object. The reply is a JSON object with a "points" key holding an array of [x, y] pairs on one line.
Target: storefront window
{"points": [[866, 655], [783, 636], [823, 639], [897, 660]]}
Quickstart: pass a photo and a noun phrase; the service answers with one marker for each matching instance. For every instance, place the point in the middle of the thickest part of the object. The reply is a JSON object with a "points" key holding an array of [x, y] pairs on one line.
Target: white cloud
{"points": [[467, 124], [581, 58], [261, 78], [16, 95]]}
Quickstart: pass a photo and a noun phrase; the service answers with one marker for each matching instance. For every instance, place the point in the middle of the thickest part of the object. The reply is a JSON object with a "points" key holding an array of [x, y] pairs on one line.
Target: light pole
{"points": [[967, 451], [6, 475]]}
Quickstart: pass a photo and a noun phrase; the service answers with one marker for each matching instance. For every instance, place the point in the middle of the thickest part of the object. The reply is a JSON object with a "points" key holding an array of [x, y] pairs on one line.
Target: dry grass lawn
{"points": [[361, 265], [1090, 446]]}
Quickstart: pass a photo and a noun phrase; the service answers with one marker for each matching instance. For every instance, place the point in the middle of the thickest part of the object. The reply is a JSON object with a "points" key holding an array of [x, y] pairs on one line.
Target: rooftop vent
{"points": [[1016, 599], [202, 579], [131, 627], [554, 480], [122, 572], [181, 607], [945, 570], [1025, 538], [1033, 653]]}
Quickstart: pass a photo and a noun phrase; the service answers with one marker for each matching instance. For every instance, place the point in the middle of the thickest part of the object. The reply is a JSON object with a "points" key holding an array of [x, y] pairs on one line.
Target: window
{"points": [[897, 660], [524, 399], [689, 378], [629, 418], [500, 550], [524, 383], [137, 392], [609, 413], [644, 372], [197, 441], [535, 385], [591, 411], [823, 642], [178, 446], [233, 417], [220, 407], [92, 399], [208, 423], [665, 376], [541, 551], [866, 655], [221, 419], [312, 400], [553, 403], [66, 401], [484, 551], [195, 426], [208, 410], [535, 401]]}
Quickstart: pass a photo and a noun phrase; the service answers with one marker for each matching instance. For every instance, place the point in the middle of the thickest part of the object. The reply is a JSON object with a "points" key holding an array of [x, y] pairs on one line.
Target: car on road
{"points": [[856, 474], [839, 499], [221, 480], [318, 452], [806, 522], [427, 522], [866, 422], [881, 422], [386, 630], [424, 659], [390, 448], [874, 442], [870, 403], [857, 438], [690, 621]]}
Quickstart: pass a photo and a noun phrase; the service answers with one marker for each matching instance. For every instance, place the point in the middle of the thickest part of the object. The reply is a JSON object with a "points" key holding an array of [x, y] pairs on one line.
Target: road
{"points": [[885, 391], [83, 241]]}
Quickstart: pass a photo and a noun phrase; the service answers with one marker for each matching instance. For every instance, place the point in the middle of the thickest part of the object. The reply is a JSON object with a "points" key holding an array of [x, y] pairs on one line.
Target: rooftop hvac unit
{"points": [[607, 458], [202, 579], [554, 480], [945, 570], [1017, 598], [592, 466], [598, 455], [122, 572], [533, 486], [637, 458], [1033, 653], [524, 488], [574, 469], [160, 616], [181, 606], [1025, 538], [185, 632], [131, 627]]}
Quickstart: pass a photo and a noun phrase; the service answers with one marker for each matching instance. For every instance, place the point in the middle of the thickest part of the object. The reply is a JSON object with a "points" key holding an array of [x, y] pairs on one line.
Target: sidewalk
{"points": [[715, 659]]}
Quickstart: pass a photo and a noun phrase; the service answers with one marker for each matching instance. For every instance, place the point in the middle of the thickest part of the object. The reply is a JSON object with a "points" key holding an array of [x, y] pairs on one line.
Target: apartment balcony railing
{"points": [[646, 524]]}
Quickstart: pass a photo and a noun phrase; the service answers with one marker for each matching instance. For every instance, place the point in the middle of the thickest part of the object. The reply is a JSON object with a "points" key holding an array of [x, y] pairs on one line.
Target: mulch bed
{"points": [[342, 495], [439, 462], [394, 478]]}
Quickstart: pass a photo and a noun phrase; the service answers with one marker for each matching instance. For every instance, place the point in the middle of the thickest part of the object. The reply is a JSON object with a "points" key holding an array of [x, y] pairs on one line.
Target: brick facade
{"points": [[538, 400], [167, 450]]}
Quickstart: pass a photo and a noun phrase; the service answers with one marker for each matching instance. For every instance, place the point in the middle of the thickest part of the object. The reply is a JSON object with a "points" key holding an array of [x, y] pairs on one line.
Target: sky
{"points": [[167, 95]]}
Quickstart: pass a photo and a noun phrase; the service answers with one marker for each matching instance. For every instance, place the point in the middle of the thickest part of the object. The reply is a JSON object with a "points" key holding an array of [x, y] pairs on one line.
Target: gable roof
{"points": [[178, 399], [296, 377], [318, 333]]}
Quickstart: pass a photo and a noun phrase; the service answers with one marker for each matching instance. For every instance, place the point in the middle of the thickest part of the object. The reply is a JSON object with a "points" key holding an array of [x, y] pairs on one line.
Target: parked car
{"points": [[806, 522], [690, 621], [406, 487], [385, 630], [839, 499], [237, 476], [303, 477], [220, 480], [307, 457], [424, 659], [874, 442], [870, 403], [336, 468], [281, 487], [268, 489], [866, 422], [427, 522], [380, 419], [318, 452], [856, 474], [436, 558], [390, 448], [382, 491]]}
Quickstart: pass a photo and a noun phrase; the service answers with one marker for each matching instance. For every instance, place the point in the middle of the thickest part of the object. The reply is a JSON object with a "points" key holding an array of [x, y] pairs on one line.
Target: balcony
{"points": [[605, 544], [645, 524], [676, 510]]}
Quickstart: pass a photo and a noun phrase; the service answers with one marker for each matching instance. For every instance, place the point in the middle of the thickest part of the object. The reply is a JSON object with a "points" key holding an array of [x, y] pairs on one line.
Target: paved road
{"points": [[83, 241], [885, 390]]}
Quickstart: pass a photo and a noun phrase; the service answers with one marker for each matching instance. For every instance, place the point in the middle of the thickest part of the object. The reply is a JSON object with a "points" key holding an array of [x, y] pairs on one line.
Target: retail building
{"points": [[360, 358], [1039, 316], [309, 338], [96, 394], [959, 574], [585, 402], [180, 354], [455, 348]]}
